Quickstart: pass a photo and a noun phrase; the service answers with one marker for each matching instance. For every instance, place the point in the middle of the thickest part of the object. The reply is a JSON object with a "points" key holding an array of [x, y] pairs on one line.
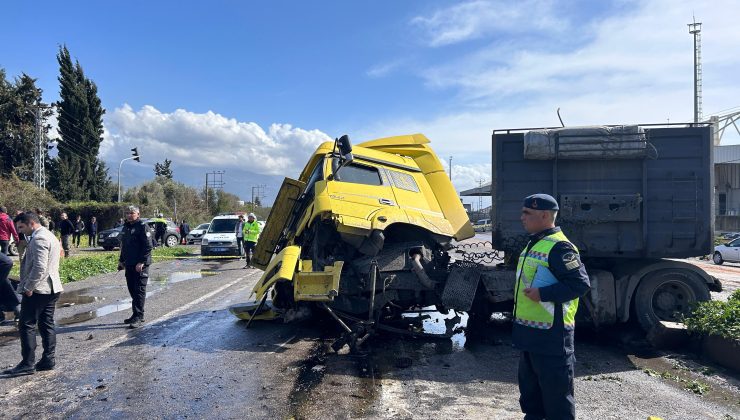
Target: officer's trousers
{"points": [[136, 283], [546, 386]]}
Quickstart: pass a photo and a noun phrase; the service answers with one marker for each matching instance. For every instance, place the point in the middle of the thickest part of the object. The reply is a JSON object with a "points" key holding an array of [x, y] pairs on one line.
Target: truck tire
{"points": [[665, 294], [717, 258], [170, 241]]}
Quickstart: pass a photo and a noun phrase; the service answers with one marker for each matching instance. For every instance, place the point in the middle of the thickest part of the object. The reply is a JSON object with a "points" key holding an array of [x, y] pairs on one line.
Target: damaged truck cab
{"points": [[364, 230]]}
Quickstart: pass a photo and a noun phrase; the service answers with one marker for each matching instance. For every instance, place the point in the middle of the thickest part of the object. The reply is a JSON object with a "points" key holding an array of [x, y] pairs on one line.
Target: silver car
{"points": [[196, 234], [729, 252]]}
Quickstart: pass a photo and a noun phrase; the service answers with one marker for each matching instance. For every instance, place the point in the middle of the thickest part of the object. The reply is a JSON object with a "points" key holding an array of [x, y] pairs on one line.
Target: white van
{"points": [[482, 225], [220, 238]]}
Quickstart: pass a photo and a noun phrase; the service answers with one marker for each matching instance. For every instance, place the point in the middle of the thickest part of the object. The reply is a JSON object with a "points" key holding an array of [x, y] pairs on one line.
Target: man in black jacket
{"points": [[136, 256], [66, 228]]}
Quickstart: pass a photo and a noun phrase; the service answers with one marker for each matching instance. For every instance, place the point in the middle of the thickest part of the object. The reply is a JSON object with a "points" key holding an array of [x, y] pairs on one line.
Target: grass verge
{"points": [[82, 266], [716, 317]]}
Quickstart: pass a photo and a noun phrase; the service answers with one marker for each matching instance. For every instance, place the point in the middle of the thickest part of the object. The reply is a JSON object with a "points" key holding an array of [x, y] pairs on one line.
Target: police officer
{"points": [[136, 256], [251, 232], [550, 279]]}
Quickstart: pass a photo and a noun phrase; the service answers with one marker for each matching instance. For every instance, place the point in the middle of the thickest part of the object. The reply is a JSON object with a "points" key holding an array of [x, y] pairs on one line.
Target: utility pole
{"points": [[480, 197], [695, 29], [450, 168], [214, 180], [40, 149], [260, 194]]}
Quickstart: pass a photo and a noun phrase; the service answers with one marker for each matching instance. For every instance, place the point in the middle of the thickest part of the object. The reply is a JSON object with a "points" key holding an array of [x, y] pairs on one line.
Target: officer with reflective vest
{"points": [[550, 279], [251, 231]]}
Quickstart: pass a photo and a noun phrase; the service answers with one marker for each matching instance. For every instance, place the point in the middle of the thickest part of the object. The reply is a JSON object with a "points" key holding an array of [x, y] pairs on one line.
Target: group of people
{"points": [[70, 230], [550, 278]]}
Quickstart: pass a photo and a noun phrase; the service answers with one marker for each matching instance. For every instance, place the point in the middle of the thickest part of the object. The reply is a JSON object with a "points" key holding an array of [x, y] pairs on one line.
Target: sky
{"points": [[251, 88]]}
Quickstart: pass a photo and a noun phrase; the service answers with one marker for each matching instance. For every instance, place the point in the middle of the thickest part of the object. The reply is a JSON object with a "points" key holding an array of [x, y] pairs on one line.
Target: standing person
{"points": [[9, 300], [23, 240], [92, 232], [160, 229], [41, 287], [184, 231], [238, 229], [66, 228], [136, 256], [79, 228], [43, 220], [550, 279], [7, 229], [251, 233]]}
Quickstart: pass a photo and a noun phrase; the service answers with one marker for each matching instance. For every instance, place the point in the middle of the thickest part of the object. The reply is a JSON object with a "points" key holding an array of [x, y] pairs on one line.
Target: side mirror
{"points": [[345, 155]]}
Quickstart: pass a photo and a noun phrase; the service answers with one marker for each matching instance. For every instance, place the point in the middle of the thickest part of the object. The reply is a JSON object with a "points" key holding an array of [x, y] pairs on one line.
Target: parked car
{"points": [[730, 235], [729, 252], [196, 234], [111, 238], [482, 225], [220, 238]]}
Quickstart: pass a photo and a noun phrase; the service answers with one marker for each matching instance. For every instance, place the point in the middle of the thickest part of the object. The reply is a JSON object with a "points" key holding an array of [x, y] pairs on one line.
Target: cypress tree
{"points": [[78, 173]]}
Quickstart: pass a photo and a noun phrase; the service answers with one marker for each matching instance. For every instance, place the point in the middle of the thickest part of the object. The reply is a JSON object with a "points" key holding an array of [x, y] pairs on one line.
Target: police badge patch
{"points": [[571, 261]]}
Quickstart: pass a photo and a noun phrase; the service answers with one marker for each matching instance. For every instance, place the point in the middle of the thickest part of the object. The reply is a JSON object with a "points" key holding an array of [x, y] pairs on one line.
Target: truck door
{"points": [[359, 190]]}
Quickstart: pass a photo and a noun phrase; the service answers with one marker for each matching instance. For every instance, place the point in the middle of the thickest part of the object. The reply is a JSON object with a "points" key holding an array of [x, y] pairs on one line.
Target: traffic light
{"points": [[135, 153]]}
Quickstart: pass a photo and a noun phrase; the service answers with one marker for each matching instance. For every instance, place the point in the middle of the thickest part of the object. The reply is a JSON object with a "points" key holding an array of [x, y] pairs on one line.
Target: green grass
{"points": [[81, 266], [716, 317]]}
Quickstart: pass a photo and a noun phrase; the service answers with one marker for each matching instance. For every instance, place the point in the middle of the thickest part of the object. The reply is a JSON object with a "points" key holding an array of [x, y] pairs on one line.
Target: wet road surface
{"points": [[193, 359]]}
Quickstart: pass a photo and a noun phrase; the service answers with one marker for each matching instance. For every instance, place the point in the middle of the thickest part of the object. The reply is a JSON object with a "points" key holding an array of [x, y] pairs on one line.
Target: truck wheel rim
{"points": [[671, 299]]}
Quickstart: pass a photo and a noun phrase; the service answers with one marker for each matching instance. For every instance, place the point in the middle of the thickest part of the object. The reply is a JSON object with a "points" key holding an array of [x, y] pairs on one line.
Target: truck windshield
{"points": [[222, 226]]}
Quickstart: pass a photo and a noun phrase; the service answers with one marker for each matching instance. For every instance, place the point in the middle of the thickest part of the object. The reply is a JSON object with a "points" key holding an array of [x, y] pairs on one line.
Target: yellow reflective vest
{"points": [[251, 231], [540, 314]]}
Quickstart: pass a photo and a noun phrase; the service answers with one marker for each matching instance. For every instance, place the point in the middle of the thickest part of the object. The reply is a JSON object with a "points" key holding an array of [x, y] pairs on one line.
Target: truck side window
{"points": [[316, 175], [360, 174], [404, 181]]}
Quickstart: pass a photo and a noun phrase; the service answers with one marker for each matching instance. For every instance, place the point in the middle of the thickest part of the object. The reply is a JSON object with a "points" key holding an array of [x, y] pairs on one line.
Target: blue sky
{"points": [[252, 87]]}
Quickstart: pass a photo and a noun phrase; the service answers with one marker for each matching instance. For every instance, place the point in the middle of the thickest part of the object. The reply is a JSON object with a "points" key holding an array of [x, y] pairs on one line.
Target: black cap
{"points": [[541, 202]]}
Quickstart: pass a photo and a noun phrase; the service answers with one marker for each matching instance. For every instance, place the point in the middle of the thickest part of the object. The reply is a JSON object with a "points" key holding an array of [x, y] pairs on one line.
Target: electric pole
{"points": [[450, 168], [214, 180], [40, 149], [258, 193], [695, 29]]}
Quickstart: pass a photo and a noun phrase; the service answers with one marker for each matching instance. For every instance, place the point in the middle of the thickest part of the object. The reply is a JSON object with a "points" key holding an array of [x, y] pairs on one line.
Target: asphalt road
{"points": [[194, 360]]}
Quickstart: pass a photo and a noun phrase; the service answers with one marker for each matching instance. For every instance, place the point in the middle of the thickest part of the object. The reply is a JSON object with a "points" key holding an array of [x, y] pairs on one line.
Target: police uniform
{"points": [[136, 248], [543, 331]]}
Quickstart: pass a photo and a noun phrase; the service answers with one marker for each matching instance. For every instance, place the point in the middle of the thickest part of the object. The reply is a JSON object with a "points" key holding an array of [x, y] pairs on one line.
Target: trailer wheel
{"points": [[717, 258], [667, 294]]}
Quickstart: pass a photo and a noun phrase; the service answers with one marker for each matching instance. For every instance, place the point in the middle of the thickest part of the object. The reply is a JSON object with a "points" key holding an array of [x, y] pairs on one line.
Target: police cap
{"points": [[541, 202]]}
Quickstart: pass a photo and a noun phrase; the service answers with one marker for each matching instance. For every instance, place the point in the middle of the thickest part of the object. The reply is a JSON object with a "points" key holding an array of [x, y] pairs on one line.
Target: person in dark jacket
{"points": [[79, 228], [135, 258], [92, 232], [7, 229], [9, 300], [184, 231], [66, 228], [550, 280]]}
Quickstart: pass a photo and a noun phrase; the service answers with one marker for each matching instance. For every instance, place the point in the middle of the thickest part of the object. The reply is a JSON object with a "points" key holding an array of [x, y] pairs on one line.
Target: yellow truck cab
{"points": [[373, 219]]}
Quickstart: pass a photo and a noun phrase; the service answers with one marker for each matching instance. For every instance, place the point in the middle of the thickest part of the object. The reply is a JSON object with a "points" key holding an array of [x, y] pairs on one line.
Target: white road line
{"points": [[170, 314]]}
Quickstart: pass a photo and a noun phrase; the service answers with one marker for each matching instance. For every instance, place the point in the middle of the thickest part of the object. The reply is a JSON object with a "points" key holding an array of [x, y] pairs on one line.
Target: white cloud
{"points": [[382, 70], [476, 19], [207, 140], [636, 67]]}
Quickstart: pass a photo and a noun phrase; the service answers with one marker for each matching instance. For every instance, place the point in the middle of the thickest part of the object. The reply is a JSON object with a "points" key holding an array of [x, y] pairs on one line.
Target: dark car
{"points": [[111, 238]]}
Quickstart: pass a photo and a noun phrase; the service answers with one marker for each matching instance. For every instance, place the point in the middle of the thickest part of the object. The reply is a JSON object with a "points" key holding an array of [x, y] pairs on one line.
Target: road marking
{"points": [[185, 307]]}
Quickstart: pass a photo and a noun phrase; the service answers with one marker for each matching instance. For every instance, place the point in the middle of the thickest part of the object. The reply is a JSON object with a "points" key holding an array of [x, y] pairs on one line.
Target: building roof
{"points": [[727, 154], [484, 190]]}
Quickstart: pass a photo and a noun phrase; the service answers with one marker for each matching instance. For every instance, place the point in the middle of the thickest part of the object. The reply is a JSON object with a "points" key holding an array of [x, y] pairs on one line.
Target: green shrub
{"points": [[717, 317]]}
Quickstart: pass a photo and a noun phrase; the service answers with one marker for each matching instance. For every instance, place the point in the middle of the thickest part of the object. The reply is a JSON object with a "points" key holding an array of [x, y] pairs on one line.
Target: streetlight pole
{"points": [[135, 156], [119, 176]]}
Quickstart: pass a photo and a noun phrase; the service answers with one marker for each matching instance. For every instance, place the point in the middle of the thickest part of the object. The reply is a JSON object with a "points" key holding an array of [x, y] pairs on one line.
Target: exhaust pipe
{"points": [[418, 269]]}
